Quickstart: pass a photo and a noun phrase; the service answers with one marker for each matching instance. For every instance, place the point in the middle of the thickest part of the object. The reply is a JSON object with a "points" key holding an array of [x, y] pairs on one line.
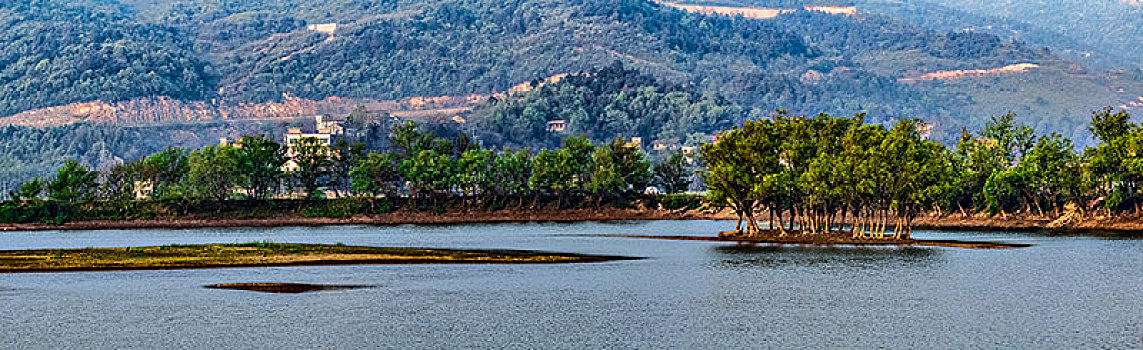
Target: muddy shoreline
{"points": [[828, 241], [397, 218], [1098, 226], [1112, 227]]}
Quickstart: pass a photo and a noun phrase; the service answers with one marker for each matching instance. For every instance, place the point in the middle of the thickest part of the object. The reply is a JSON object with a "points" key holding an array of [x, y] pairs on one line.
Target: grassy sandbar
{"points": [[258, 254]]}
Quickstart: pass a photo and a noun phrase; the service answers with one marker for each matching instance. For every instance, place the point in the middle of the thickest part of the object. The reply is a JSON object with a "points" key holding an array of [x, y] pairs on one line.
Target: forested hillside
{"points": [[1109, 25], [699, 72], [240, 52], [1098, 32], [614, 102], [57, 52]]}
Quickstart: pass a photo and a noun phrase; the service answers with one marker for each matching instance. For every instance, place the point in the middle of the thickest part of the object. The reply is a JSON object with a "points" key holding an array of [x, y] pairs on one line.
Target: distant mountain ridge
{"points": [[248, 53]]}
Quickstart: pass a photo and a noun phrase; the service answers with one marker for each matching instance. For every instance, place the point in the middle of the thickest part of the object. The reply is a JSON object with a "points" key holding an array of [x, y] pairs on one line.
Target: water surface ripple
{"points": [[1064, 292]]}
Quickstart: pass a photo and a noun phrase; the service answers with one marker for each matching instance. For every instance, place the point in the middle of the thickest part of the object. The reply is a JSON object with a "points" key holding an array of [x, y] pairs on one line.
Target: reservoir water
{"points": [[1064, 292]]}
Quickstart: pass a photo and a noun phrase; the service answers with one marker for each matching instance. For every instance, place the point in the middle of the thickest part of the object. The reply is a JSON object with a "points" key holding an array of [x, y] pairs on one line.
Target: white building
{"points": [[327, 129]]}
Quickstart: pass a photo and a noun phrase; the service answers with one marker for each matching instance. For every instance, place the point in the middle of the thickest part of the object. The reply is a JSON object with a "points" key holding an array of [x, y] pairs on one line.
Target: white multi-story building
{"points": [[326, 130]]}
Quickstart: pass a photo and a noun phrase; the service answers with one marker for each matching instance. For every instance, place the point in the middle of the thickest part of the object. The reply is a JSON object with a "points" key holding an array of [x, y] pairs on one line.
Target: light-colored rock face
{"points": [[758, 12], [972, 73], [163, 110], [325, 28]]}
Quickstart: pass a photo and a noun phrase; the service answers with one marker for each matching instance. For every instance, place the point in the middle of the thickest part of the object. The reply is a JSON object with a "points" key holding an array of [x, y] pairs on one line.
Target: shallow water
{"points": [[1064, 292]]}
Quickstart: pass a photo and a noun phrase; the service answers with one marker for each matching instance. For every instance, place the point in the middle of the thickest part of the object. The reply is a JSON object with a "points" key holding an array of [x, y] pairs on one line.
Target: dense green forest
{"points": [[56, 53], [1111, 26], [236, 52], [614, 102], [696, 74], [1099, 32]]}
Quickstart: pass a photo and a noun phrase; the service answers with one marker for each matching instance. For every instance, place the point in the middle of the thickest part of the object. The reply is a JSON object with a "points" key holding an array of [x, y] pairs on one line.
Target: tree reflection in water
{"points": [[745, 256]]}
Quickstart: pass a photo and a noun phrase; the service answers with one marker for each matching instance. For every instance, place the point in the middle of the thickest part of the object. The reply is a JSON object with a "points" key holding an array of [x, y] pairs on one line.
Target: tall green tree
{"points": [[409, 139], [429, 173], [605, 180], [474, 171], [344, 157], [166, 171], [376, 174], [312, 158], [550, 173], [30, 190], [671, 173], [214, 173], [512, 171], [632, 165], [261, 161], [73, 182]]}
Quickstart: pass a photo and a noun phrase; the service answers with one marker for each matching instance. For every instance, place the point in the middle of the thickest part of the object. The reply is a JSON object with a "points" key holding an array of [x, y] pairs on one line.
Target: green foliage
{"points": [[474, 171], [258, 51], [672, 174], [1013, 140], [604, 105], [312, 159], [376, 174], [563, 170], [808, 170], [1108, 125], [337, 208], [512, 172], [167, 170], [73, 182], [214, 172], [1003, 189], [34, 212], [605, 177], [681, 201], [429, 172], [58, 52], [814, 168], [260, 161], [29, 191]]}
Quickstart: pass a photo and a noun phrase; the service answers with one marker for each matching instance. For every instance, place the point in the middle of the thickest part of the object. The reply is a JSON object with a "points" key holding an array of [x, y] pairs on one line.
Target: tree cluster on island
{"points": [[833, 176]]}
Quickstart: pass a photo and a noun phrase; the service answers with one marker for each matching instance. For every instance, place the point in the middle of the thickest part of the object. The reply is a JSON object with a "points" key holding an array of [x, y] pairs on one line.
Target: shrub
{"points": [[335, 208], [680, 201], [38, 211]]}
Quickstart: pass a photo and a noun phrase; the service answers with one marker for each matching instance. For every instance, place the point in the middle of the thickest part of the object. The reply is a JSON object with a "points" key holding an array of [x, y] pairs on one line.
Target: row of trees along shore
{"points": [[823, 175], [419, 169], [841, 177]]}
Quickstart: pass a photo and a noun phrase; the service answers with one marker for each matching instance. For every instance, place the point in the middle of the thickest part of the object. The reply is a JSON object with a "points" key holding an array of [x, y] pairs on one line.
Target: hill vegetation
{"points": [[58, 52], [690, 73], [240, 52]]}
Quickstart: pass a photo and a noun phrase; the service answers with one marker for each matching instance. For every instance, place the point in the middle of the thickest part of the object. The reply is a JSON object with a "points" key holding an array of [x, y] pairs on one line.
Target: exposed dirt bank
{"points": [[1098, 226], [818, 240], [1070, 225], [398, 218]]}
